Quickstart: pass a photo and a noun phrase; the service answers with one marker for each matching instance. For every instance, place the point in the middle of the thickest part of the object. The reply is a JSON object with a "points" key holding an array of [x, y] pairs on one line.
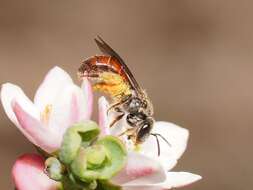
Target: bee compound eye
{"points": [[144, 131]]}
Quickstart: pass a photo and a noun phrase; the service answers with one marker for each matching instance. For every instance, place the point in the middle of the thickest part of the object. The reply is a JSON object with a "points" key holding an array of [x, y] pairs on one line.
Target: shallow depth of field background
{"points": [[195, 58]]}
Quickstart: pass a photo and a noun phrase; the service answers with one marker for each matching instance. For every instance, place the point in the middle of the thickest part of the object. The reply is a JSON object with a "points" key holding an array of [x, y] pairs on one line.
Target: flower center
{"points": [[44, 116]]}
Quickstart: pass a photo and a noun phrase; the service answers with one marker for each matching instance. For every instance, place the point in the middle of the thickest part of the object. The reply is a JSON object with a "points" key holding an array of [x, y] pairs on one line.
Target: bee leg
{"points": [[119, 117], [113, 107], [118, 104], [128, 132]]}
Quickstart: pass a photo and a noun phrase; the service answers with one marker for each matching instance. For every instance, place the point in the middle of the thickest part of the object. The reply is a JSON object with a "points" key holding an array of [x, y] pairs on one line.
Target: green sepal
{"points": [[69, 182], [79, 164], [106, 185], [116, 155]]}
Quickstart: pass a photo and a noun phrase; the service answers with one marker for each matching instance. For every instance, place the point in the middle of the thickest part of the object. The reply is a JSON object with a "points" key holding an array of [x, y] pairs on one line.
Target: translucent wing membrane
{"points": [[107, 50]]}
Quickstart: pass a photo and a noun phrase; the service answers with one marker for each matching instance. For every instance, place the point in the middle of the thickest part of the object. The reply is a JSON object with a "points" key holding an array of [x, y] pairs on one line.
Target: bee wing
{"points": [[107, 50]]}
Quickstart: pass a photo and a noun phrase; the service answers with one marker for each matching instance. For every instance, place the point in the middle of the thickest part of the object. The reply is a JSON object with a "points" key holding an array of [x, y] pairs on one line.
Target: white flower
{"points": [[152, 171], [143, 171], [58, 103]]}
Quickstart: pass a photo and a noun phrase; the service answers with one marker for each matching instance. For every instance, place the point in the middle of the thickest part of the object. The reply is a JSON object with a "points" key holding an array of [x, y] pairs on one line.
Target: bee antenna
{"points": [[158, 144], [156, 135]]}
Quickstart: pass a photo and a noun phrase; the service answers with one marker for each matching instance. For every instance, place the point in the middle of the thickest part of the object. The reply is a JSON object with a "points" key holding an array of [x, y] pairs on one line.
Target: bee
{"points": [[110, 75]]}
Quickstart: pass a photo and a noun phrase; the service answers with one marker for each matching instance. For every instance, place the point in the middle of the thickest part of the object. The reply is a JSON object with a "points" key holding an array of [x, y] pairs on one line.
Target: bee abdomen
{"points": [[112, 84]]}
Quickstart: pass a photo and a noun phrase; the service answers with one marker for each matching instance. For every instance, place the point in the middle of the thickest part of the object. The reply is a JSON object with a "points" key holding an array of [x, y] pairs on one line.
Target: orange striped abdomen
{"points": [[107, 75]]}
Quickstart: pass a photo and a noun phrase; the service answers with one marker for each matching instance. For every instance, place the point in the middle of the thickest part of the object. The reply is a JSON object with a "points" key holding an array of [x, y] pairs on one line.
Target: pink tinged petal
{"points": [[180, 179], [75, 112], [69, 108], [53, 84], [106, 118], [28, 174], [138, 170], [119, 128], [103, 106], [175, 135], [79, 108], [10, 92], [87, 89], [40, 135]]}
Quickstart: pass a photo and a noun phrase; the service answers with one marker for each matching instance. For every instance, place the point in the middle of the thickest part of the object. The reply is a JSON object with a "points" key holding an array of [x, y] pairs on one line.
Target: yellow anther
{"points": [[46, 113]]}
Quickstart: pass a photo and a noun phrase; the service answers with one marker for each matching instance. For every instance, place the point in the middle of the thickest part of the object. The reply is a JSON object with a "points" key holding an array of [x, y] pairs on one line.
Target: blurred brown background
{"points": [[194, 58]]}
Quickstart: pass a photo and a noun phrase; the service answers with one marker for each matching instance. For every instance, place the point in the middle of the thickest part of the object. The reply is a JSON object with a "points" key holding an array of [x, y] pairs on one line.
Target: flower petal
{"points": [[141, 187], [70, 107], [87, 89], [40, 135], [28, 174], [180, 179], [10, 92], [55, 80], [105, 119], [173, 180], [142, 168], [103, 106], [175, 135]]}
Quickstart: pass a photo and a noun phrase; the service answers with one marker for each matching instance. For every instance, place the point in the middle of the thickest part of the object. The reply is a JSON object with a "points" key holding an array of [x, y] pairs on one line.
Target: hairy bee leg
{"points": [[114, 106], [125, 132], [118, 104], [119, 117]]}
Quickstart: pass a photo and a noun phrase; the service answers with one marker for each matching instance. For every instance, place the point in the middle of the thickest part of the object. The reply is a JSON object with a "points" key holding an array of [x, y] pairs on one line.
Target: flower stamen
{"points": [[44, 116]]}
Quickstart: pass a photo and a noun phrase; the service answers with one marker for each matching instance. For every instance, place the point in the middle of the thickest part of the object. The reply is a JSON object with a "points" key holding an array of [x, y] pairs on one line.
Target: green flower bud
{"points": [[54, 168], [90, 162], [96, 155], [100, 161], [76, 136]]}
